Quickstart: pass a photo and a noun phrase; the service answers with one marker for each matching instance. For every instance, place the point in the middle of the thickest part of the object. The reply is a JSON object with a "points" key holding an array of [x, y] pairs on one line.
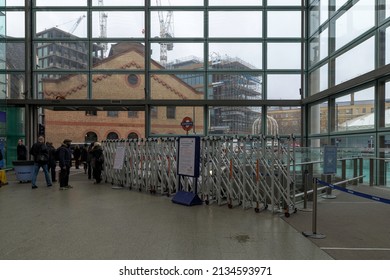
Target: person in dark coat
{"points": [[76, 156], [21, 150], [89, 158], [40, 153], [97, 162], [84, 157], [52, 161], [65, 162]]}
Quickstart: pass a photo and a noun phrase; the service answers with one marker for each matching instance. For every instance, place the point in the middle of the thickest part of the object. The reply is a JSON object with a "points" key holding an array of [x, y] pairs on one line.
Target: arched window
{"points": [[90, 137], [112, 136], [132, 135]]}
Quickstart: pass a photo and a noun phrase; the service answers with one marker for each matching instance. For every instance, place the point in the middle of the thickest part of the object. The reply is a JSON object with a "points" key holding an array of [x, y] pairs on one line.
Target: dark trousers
{"points": [[64, 176], [52, 169]]}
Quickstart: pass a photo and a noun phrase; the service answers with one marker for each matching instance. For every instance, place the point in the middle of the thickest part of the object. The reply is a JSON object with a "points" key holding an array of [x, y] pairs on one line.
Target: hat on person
{"points": [[67, 141], [97, 144]]}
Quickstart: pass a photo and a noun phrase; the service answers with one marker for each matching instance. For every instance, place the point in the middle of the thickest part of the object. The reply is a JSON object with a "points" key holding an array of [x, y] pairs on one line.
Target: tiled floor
{"points": [[99, 222]]}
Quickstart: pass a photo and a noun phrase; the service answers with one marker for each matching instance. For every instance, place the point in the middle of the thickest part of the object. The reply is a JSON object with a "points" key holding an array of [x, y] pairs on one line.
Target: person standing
{"points": [[84, 157], [65, 162], [21, 150], [89, 158], [52, 161], [97, 162], [40, 152], [76, 156]]}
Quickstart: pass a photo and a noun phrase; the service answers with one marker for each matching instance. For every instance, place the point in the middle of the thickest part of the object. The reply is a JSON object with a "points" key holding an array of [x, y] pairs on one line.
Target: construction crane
{"points": [[76, 24], [103, 26], [166, 31]]}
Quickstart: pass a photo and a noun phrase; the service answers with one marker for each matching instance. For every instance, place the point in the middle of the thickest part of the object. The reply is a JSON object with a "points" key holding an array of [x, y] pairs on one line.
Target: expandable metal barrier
{"points": [[251, 172]]}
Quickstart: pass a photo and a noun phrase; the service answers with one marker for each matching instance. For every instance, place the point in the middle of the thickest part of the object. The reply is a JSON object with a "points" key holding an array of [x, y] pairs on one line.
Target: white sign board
{"points": [[119, 157]]}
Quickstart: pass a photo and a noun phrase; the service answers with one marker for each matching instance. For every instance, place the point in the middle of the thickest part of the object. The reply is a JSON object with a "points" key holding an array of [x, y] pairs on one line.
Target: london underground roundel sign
{"points": [[187, 123]]}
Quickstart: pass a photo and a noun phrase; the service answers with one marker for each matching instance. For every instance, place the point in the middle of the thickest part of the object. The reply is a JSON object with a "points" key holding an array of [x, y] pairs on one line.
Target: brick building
{"points": [[91, 125]]}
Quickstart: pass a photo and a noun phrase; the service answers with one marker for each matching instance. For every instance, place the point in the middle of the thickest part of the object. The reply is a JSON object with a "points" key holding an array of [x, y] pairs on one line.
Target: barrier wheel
{"points": [[266, 206], [257, 210], [295, 210], [287, 214], [230, 206], [139, 189], [207, 202]]}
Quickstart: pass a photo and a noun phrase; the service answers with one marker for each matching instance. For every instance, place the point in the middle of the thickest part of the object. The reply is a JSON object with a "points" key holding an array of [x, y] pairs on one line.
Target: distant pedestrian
{"points": [[97, 162], [90, 148], [76, 156], [65, 162], [40, 153], [84, 157], [21, 150], [52, 164]]}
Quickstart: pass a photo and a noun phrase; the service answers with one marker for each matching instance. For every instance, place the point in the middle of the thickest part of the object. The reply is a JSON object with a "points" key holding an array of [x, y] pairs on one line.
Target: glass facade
{"points": [[229, 65]]}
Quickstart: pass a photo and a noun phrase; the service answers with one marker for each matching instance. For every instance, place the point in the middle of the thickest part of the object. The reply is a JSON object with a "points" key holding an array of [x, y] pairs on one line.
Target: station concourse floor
{"points": [[98, 222]]}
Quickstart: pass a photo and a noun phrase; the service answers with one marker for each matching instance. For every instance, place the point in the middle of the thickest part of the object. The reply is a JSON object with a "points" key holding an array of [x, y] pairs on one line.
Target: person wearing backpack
{"points": [[40, 153]]}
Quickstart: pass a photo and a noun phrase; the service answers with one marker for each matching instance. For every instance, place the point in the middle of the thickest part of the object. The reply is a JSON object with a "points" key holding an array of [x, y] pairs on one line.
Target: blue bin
{"points": [[24, 170]]}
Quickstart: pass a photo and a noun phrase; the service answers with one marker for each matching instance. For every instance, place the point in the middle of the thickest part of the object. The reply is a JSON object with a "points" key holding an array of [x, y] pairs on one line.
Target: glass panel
{"points": [[283, 86], [70, 24], [235, 3], [235, 56], [176, 3], [234, 120], [120, 24], [81, 127], [12, 86], [319, 47], [387, 104], [318, 118], [340, 3], [161, 125], [3, 55], [2, 24], [177, 86], [14, 3], [62, 55], [387, 8], [119, 3], [61, 86], [284, 56], [14, 55], [120, 55], [172, 55], [187, 24], [350, 25], [15, 24], [240, 86], [284, 2], [348, 67], [387, 45], [288, 120], [224, 24], [356, 111], [292, 19], [318, 80], [118, 86], [49, 3], [314, 19], [319, 13]]}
